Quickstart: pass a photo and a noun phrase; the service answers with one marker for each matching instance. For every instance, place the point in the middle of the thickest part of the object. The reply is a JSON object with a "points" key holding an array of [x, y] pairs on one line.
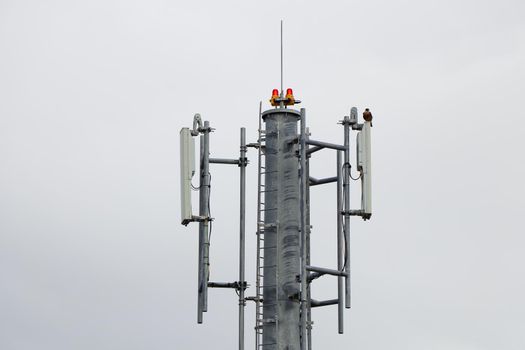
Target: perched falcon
{"points": [[367, 115]]}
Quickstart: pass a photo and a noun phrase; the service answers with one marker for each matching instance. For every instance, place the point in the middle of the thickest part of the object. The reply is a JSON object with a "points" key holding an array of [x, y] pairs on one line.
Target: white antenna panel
{"points": [[364, 166], [187, 170], [360, 152]]}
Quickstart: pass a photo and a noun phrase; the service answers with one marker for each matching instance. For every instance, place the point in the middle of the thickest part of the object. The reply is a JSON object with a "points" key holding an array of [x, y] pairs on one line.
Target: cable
{"points": [[344, 199], [209, 210], [357, 178], [350, 171], [340, 205], [346, 252]]}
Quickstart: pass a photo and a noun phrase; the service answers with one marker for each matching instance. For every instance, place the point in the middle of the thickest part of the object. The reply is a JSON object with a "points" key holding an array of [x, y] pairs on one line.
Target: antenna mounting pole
{"points": [[282, 89]]}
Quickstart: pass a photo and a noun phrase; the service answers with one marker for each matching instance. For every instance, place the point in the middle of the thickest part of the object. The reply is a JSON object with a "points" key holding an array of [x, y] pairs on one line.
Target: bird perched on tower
{"points": [[367, 116]]}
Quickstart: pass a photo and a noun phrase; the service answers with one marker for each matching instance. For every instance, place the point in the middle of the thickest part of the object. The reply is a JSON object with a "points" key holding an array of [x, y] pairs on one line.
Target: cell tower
{"points": [[284, 272]]}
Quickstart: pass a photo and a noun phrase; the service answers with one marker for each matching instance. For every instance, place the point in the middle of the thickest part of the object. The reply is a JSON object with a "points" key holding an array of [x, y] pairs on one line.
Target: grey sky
{"points": [[93, 94]]}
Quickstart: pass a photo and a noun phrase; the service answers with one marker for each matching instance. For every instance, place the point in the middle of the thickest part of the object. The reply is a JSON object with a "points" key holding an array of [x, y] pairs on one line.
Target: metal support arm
{"points": [[224, 161], [325, 144], [313, 149], [318, 303], [358, 212], [314, 181], [326, 271], [235, 285]]}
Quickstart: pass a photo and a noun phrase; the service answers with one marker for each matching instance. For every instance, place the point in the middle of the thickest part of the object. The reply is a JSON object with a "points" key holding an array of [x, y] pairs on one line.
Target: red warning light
{"points": [[290, 100], [275, 97]]}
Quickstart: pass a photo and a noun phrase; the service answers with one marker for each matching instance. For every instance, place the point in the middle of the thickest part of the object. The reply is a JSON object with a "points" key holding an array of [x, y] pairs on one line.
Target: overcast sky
{"points": [[94, 93]]}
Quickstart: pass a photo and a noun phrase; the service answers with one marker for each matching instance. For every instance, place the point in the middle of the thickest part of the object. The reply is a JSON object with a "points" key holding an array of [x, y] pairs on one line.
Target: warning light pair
{"points": [[289, 99], [275, 92], [289, 92]]}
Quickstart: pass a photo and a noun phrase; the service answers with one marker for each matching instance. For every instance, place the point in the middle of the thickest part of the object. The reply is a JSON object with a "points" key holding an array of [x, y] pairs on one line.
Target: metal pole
{"points": [[205, 206], [200, 282], [282, 94], [242, 230], [304, 299], [340, 247], [282, 292], [258, 291], [204, 195], [308, 258], [346, 186]]}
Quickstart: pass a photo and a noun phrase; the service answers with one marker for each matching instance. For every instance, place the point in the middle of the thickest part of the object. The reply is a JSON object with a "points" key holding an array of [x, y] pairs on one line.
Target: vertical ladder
{"points": [[259, 319]]}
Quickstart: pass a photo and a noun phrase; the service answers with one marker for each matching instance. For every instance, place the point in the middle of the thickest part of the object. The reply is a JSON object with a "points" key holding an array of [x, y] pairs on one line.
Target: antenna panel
{"points": [[187, 170], [367, 182], [353, 115], [364, 166], [360, 152]]}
